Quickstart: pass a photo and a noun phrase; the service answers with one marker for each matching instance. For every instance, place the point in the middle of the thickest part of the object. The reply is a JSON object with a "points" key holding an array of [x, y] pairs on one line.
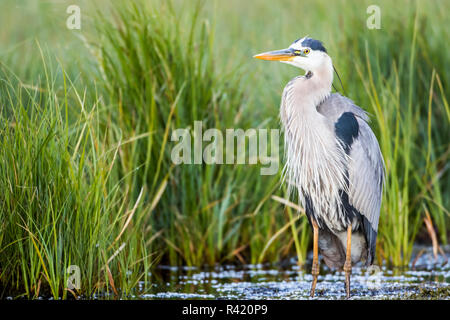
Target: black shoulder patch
{"points": [[347, 129], [313, 44]]}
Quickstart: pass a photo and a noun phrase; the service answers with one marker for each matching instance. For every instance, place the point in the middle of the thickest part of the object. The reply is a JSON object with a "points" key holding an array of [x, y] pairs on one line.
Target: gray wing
{"points": [[366, 175], [366, 165], [335, 105]]}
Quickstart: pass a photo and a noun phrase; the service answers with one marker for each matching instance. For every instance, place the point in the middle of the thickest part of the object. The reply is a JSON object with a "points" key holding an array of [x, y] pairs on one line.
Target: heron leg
{"points": [[348, 261], [315, 263]]}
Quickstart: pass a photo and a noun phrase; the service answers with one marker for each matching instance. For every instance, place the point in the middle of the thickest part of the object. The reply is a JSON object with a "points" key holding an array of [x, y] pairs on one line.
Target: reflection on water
{"points": [[429, 278]]}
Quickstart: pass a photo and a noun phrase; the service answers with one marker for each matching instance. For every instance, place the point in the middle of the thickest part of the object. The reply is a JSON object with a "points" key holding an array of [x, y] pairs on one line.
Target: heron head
{"points": [[305, 53]]}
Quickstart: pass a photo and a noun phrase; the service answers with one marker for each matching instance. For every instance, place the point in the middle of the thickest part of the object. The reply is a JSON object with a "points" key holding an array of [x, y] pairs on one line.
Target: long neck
{"points": [[302, 95], [317, 85]]}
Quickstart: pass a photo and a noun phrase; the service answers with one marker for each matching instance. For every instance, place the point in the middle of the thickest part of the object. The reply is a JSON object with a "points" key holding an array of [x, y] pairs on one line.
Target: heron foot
{"points": [[315, 263], [348, 261], [315, 273], [348, 272]]}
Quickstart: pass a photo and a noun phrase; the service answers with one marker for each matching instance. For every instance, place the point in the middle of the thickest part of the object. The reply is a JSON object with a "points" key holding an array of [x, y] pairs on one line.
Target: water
{"points": [[426, 279]]}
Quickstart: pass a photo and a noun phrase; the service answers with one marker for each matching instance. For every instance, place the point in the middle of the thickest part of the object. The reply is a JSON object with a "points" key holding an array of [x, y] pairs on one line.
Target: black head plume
{"points": [[312, 43]]}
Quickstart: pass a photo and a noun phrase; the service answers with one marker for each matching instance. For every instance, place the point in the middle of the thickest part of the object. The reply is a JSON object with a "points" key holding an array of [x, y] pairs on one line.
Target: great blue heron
{"points": [[333, 160]]}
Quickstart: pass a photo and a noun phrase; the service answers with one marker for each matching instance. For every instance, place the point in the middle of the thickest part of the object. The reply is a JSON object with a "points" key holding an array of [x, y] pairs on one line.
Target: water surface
{"points": [[424, 278]]}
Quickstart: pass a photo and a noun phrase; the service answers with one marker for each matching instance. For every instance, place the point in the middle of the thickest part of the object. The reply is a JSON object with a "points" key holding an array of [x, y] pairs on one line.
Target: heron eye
{"points": [[306, 51]]}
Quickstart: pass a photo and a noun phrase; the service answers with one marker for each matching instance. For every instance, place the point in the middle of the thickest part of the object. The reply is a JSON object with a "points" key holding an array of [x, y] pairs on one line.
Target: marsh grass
{"points": [[402, 108], [59, 206], [161, 76], [85, 166]]}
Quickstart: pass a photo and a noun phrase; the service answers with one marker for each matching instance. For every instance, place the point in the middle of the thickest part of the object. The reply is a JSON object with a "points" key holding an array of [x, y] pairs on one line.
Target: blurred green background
{"points": [[86, 118]]}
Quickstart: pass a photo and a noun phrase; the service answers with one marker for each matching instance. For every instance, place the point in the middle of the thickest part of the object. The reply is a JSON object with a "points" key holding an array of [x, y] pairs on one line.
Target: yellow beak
{"points": [[278, 55]]}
